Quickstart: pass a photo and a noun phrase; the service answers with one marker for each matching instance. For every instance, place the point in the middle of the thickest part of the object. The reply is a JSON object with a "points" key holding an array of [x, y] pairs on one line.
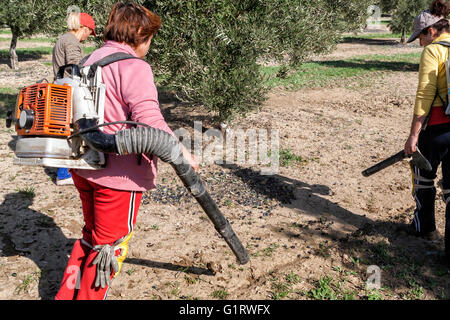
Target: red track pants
{"points": [[108, 215]]}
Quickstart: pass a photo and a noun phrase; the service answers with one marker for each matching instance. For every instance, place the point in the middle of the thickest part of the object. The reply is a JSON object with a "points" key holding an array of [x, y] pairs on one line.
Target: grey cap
{"points": [[424, 20]]}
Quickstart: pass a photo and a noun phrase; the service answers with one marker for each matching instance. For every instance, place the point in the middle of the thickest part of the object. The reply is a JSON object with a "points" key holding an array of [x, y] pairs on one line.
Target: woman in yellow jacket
{"points": [[430, 128]]}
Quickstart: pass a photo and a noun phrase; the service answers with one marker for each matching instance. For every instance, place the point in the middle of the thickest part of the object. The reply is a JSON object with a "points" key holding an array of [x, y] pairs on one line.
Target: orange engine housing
{"points": [[52, 108]]}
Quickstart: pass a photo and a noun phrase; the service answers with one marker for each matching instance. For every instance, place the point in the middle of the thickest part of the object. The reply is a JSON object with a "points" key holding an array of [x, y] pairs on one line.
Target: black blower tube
{"points": [[154, 141]]}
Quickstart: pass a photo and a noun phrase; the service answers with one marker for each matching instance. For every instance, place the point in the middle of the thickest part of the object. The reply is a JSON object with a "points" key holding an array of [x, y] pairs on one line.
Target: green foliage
{"points": [[287, 158], [28, 17], [209, 52], [292, 31], [25, 18], [28, 192], [374, 294], [280, 290], [388, 6], [404, 13], [204, 52], [24, 286], [324, 290]]}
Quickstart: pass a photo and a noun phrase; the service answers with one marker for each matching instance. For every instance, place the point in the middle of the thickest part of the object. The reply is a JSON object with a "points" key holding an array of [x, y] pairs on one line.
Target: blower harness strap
{"points": [[93, 128]]}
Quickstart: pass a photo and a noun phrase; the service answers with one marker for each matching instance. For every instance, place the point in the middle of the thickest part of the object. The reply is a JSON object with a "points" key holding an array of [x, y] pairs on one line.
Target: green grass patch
{"points": [[288, 158], [43, 39], [29, 279], [292, 278], [36, 53], [281, 288], [220, 294], [27, 53], [374, 294], [373, 36], [322, 73], [326, 288], [28, 192]]}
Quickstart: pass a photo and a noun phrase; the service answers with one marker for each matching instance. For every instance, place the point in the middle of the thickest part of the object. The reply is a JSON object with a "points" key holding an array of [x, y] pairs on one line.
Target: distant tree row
{"points": [[30, 17], [24, 18], [209, 52]]}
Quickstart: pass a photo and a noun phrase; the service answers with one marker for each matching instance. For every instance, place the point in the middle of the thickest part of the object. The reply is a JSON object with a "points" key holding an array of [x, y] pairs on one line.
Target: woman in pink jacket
{"points": [[110, 197]]}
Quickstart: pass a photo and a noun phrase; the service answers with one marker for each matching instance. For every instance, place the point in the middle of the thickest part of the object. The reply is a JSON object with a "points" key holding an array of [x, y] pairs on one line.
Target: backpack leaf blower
{"points": [[59, 125]]}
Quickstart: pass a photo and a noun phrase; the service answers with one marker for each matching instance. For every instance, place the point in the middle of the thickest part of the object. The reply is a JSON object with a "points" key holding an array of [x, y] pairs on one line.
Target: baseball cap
{"points": [[87, 21], [424, 20]]}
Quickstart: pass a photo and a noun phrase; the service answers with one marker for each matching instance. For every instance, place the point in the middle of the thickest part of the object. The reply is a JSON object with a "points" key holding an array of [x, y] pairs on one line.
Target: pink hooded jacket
{"points": [[129, 88]]}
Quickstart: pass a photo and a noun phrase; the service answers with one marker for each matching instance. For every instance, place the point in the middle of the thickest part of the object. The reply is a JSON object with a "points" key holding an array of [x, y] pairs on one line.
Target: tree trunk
{"points": [[14, 60], [403, 39]]}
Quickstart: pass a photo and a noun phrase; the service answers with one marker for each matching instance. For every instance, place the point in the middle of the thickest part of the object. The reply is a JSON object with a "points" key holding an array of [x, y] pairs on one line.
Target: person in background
{"points": [[430, 127], [111, 196], [67, 50]]}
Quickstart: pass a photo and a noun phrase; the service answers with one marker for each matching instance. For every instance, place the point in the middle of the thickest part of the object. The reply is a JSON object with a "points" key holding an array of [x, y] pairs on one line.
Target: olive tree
{"points": [[28, 17], [211, 51]]}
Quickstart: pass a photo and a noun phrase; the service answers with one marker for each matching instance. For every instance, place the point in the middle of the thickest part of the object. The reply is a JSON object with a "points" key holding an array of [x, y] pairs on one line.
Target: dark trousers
{"points": [[434, 143]]}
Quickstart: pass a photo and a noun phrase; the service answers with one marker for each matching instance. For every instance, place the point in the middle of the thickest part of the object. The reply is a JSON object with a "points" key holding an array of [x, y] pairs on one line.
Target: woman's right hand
{"points": [[190, 158], [193, 162]]}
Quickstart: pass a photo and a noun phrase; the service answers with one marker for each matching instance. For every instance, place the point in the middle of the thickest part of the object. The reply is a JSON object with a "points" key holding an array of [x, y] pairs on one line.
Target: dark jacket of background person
{"points": [[67, 50]]}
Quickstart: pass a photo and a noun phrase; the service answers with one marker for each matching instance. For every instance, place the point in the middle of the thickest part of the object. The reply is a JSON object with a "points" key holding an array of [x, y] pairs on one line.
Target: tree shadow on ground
{"points": [[170, 266], [371, 65], [29, 54], [179, 114], [408, 263], [34, 235], [28, 233], [372, 42]]}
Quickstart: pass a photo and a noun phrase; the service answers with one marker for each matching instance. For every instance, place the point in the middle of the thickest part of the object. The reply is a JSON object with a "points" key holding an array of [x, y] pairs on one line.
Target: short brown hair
{"points": [[131, 23], [439, 8]]}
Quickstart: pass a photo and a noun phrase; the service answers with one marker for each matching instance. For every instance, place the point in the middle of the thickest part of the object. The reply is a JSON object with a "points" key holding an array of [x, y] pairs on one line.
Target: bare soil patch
{"points": [[357, 46]]}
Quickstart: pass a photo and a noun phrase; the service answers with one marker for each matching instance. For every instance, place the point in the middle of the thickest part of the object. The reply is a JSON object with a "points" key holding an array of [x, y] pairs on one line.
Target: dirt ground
{"points": [[312, 230]]}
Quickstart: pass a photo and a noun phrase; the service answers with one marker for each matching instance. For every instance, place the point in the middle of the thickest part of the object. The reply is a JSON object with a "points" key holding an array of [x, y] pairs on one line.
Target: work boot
{"points": [[431, 236], [410, 229]]}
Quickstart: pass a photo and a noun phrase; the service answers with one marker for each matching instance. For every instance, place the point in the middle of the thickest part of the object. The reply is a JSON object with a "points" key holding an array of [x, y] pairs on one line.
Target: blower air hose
{"points": [[149, 140]]}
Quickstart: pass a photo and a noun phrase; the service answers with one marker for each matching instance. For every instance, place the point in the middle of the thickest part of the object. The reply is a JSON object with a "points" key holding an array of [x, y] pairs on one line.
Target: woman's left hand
{"points": [[411, 144], [413, 139]]}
